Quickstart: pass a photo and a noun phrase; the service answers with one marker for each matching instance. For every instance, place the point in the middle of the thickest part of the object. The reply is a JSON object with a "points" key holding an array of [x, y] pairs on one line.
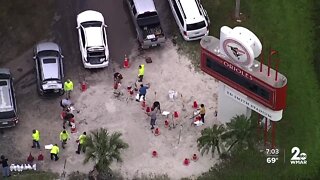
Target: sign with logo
{"points": [[297, 156], [266, 112], [239, 52]]}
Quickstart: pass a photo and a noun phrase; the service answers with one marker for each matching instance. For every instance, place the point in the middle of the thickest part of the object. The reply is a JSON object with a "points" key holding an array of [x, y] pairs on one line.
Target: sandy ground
{"points": [[99, 108]]}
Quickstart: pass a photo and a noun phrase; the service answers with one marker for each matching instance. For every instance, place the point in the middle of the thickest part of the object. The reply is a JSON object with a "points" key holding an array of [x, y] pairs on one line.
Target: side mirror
{"points": [[34, 57], [62, 56], [78, 27], [105, 26]]}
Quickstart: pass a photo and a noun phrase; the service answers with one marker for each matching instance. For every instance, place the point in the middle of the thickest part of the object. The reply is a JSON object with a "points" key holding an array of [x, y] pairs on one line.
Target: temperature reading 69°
{"points": [[272, 160], [272, 155]]}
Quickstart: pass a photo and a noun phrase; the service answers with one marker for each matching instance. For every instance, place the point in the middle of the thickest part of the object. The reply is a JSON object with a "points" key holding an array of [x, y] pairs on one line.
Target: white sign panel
{"points": [[264, 111]]}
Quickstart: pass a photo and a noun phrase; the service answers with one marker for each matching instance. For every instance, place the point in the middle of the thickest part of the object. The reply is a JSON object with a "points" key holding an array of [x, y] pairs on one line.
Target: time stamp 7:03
{"points": [[297, 157]]}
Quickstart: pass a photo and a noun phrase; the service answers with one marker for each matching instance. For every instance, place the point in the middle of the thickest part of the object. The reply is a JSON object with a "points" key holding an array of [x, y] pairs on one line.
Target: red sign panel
{"points": [[271, 96]]}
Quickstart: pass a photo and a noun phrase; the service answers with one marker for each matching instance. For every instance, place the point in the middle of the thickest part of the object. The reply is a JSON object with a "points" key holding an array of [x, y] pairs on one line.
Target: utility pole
{"points": [[237, 11]]}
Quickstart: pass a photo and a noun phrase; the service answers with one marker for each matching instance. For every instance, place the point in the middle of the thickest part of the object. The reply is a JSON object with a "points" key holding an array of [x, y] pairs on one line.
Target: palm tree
{"points": [[210, 139], [103, 148], [240, 133]]}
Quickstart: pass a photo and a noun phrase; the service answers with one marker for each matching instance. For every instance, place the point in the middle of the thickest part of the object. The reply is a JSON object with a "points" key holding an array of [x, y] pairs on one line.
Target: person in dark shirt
{"points": [[5, 166]]}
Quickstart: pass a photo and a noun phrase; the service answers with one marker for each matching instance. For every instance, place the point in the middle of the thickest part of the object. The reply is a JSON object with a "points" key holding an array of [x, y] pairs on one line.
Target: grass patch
{"points": [[286, 26], [34, 175]]}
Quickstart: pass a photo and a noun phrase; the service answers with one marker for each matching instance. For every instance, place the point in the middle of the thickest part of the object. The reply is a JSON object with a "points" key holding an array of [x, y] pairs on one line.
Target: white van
{"points": [[191, 18]]}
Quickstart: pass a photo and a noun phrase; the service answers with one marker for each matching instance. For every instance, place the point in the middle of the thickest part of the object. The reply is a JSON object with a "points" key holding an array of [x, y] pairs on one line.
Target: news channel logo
{"points": [[298, 157]]}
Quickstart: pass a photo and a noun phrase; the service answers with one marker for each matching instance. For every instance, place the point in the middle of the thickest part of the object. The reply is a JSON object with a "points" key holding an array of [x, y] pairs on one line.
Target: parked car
{"points": [[93, 39], [49, 68], [8, 106], [191, 18], [147, 23]]}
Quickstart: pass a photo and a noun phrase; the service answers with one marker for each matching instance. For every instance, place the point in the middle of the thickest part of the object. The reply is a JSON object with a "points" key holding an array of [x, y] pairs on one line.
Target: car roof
{"points": [[50, 70], [143, 6], [191, 11], [90, 15], [94, 36], [6, 103], [43, 46]]}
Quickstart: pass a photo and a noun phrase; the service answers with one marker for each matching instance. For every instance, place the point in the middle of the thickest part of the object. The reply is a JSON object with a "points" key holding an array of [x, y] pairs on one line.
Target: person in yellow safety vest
{"points": [[64, 136], [54, 152], [141, 72], [35, 139], [81, 143], [68, 87]]}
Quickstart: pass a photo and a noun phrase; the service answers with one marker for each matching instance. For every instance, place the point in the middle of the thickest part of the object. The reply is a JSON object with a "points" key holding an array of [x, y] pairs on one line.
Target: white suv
{"points": [[93, 39], [191, 18]]}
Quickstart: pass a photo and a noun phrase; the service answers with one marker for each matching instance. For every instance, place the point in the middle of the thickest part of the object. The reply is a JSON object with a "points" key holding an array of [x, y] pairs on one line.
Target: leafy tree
{"points": [[103, 148], [240, 133], [210, 139]]}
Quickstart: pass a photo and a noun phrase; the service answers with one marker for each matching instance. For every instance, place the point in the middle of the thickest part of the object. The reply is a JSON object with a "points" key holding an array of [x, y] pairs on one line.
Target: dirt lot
{"points": [[99, 108]]}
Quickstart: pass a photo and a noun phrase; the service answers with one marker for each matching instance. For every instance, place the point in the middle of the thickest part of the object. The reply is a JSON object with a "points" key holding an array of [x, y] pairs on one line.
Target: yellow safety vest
{"points": [[141, 70], [64, 136], [36, 136], [68, 86], [54, 150], [82, 138]]}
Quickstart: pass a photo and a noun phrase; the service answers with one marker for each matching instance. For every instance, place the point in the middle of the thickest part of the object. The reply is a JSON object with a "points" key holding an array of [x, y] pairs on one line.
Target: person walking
{"points": [[35, 139], [143, 92], [5, 166], [68, 116], [64, 136], [156, 105], [141, 72], [81, 143], [202, 112], [153, 116], [68, 87], [54, 152]]}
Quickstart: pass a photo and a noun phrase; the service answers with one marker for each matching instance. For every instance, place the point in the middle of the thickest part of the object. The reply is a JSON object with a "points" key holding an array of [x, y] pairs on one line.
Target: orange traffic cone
{"points": [[154, 154], [143, 104], [195, 157], [195, 105], [73, 125], [30, 158], [166, 123], [186, 162], [83, 86], [176, 115], [157, 132], [126, 62], [40, 157]]}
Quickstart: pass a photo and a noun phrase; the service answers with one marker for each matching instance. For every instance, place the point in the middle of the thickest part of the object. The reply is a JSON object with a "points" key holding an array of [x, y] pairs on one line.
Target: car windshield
{"points": [[7, 114], [48, 53], [51, 79], [196, 26], [148, 19], [96, 53], [91, 24]]}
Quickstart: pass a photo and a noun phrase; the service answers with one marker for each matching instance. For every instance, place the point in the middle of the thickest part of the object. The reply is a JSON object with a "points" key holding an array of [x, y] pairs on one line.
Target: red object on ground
{"points": [[148, 109], [154, 154], [30, 158], [131, 92], [143, 104], [83, 86], [186, 162], [195, 157], [157, 132], [40, 157], [166, 123], [63, 114], [126, 62], [176, 115], [195, 105], [73, 125]]}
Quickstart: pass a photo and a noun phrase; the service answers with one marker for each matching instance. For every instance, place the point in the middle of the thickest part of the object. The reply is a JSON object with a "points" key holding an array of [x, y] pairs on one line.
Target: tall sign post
{"points": [[245, 84]]}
